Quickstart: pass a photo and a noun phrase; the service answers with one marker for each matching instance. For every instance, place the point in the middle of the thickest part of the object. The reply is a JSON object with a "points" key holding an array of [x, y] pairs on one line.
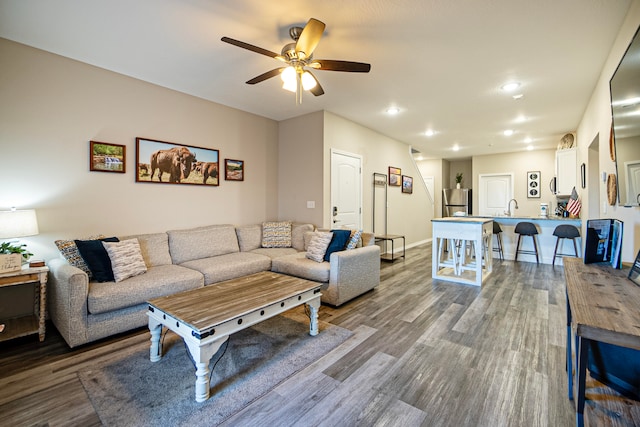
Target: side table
{"points": [[31, 323], [390, 238]]}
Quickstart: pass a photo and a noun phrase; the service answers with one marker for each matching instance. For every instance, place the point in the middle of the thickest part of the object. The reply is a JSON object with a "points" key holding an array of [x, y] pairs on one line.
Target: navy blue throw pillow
{"points": [[97, 258], [338, 242]]}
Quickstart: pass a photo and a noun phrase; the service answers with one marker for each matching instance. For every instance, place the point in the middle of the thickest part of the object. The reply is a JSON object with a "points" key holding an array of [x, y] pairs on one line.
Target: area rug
{"points": [[134, 391]]}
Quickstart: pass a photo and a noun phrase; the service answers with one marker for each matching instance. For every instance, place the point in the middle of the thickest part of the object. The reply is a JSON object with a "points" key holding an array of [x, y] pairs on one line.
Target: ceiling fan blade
{"points": [[347, 66], [317, 89], [250, 47], [309, 38], [264, 76]]}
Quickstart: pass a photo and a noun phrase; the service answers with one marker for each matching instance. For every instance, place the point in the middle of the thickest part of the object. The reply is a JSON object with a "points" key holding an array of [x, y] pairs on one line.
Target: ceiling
{"points": [[440, 62]]}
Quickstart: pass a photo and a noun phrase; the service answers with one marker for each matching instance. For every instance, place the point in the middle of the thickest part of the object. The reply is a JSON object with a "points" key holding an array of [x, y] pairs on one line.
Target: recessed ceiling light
{"points": [[393, 110], [528, 140], [518, 96], [508, 132], [510, 87], [455, 147], [419, 158], [529, 147], [430, 132]]}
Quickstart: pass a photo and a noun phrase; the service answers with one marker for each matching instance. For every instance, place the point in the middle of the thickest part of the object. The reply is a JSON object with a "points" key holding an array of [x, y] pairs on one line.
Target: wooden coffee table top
{"points": [[212, 305]]}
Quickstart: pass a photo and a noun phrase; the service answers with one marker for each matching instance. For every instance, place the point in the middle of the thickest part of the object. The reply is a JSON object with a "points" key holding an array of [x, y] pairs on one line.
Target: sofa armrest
{"points": [[352, 273], [67, 290]]}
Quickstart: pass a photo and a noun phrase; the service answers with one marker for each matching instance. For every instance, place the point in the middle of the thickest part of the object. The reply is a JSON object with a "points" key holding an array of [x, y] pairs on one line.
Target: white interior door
{"points": [[494, 194], [632, 173], [346, 190]]}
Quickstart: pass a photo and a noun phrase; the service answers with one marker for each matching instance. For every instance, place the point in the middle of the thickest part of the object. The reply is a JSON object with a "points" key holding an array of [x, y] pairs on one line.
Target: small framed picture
{"points": [[407, 184], [233, 170], [533, 184], [394, 176], [105, 157]]}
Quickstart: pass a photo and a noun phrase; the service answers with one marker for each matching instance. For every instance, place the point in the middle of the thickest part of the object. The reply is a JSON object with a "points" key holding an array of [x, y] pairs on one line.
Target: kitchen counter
{"points": [[545, 239]]}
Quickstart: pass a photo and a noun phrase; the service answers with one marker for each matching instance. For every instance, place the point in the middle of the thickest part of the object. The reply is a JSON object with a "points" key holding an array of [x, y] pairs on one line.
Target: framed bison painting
{"points": [[169, 163], [105, 157], [233, 170]]}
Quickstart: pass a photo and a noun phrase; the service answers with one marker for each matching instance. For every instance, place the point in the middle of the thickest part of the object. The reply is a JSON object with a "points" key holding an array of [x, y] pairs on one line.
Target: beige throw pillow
{"points": [[126, 259], [318, 246]]}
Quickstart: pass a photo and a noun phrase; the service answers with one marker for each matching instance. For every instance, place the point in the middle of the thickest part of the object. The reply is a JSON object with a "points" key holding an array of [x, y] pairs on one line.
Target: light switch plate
{"points": [[311, 204]]}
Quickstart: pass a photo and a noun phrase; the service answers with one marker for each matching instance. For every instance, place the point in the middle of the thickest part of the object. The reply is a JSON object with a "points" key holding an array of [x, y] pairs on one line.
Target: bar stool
{"points": [[565, 231], [496, 232], [527, 229]]}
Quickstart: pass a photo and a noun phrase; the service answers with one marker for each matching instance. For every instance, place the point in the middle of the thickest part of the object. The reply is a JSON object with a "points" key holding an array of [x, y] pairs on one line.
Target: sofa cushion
{"points": [[274, 252], [156, 282], [338, 242], [154, 248], [126, 259], [249, 237], [318, 246], [229, 266], [300, 266], [297, 235], [96, 257], [70, 252], [202, 242], [276, 234]]}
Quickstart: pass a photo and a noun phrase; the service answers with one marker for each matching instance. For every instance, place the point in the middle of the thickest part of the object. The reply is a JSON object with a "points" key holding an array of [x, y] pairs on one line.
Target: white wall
{"points": [[51, 107], [300, 168], [596, 123], [519, 164], [407, 214]]}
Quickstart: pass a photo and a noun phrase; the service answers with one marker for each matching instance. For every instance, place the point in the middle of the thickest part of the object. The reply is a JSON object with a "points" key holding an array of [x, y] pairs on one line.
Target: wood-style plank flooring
{"points": [[424, 353]]}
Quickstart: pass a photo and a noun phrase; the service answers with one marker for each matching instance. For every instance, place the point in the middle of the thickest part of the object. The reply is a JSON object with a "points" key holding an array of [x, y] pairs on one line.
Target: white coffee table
{"points": [[205, 317]]}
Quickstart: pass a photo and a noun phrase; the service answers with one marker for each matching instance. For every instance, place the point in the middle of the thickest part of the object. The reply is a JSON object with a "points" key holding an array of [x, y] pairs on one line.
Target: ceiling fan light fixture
{"points": [[288, 75], [291, 86], [308, 82]]}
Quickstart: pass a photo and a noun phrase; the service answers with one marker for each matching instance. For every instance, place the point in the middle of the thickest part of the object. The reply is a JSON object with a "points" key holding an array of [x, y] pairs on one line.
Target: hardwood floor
{"points": [[423, 353]]}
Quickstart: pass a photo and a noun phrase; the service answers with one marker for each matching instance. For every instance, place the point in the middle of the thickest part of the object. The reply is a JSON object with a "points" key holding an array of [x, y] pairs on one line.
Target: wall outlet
{"points": [[311, 204]]}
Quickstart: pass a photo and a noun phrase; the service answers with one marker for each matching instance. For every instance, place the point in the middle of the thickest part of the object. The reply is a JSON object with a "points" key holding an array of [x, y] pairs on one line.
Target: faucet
{"points": [[508, 212]]}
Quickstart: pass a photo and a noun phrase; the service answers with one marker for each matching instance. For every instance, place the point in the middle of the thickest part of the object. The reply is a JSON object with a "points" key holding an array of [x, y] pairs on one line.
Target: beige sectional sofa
{"points": [[179, 260]]}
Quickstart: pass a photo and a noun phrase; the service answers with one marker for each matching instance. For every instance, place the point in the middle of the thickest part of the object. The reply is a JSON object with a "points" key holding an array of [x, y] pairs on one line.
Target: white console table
{"points": [[457, 265]]}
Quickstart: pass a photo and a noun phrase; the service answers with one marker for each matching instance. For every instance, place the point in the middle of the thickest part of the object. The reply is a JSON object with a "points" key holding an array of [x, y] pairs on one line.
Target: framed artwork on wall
{"points": [[395, 176], [105, 157], [233, 170], [533, 185], [407, 184], [169, 163]]}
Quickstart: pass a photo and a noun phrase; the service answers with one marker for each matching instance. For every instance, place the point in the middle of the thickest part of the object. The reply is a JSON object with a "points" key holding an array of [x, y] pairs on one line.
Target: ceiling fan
{"points": [[298, 57]]}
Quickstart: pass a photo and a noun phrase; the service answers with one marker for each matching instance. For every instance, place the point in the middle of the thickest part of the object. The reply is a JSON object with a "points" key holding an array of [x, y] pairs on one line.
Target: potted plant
{"points": [[458, 180], [12, 256]]}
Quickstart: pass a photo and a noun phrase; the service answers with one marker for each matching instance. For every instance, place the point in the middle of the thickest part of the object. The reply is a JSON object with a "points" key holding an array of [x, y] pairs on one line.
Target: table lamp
{"points": [[18, 223]]}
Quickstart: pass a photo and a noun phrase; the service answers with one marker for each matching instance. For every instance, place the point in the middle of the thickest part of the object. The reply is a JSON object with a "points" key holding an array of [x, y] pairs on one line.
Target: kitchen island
{"points": [[546, 240], [461, 248]]}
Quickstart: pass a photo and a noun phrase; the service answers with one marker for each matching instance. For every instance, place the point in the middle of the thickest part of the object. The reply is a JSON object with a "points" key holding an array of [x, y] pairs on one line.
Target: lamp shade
{"points": [[18, 223]]}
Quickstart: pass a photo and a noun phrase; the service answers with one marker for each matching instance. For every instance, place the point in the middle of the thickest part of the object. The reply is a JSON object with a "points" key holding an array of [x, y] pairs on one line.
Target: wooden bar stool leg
{"points": [[535, 248], [518, 246], [575, 248], [555, 251]]}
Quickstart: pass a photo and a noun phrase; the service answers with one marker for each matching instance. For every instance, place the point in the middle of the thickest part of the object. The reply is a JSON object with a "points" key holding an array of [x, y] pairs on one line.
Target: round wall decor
{"points": [[612, 189]]}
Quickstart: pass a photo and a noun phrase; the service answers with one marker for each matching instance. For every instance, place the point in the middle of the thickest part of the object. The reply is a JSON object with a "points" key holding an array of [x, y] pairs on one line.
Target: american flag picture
{"points": [[574, 204]]}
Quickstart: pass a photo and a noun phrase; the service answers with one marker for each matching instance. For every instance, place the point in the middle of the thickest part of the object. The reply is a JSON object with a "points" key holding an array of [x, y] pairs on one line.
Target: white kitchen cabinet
{"points": [[566, 171]]}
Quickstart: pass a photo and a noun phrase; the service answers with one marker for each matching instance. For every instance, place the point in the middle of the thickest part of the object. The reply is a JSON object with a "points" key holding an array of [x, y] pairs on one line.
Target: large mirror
{"points": [[625, 108]]}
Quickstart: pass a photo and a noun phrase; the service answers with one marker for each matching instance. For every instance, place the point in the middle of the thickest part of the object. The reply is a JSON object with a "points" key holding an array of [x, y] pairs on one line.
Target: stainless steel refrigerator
{"points": [[456, 200]]}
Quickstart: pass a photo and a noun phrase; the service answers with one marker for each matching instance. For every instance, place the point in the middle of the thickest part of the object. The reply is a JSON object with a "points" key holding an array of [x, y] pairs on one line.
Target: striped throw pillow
{"points": [[126, 259]]}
